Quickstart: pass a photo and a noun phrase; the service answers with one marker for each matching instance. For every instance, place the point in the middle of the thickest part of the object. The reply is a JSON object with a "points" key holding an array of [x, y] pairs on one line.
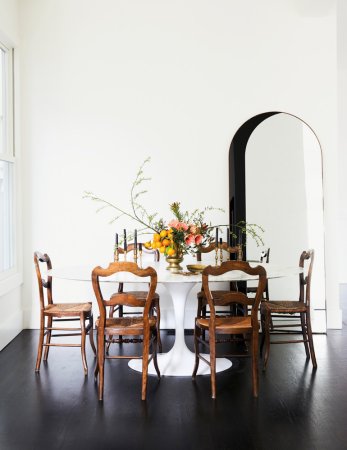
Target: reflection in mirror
{"points": [[283, 193]]}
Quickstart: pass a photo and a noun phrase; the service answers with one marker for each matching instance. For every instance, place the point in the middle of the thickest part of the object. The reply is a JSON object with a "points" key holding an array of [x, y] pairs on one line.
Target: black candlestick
{"points": [[135, 246], [125, 243], [140, 252]]}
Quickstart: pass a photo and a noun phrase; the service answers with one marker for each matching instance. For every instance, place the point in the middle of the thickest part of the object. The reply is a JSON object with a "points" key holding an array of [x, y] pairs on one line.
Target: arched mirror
{"points": [[276, 181]]}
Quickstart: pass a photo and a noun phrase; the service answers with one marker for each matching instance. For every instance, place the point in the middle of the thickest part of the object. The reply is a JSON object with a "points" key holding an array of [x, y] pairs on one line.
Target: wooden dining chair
{"points": [[144, 328], [297, 312], [220, 325], [140, 295], [216, 294], [51, 312]]}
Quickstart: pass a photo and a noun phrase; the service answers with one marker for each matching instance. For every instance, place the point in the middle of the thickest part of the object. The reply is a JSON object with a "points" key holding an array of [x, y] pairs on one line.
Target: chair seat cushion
{"points": [[68, 309], [283, 306], [227, 325], [126, 325]]}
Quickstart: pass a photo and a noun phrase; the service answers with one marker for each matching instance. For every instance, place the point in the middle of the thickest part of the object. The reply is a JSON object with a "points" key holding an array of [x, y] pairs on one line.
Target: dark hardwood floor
{"points": [[297, 408]]}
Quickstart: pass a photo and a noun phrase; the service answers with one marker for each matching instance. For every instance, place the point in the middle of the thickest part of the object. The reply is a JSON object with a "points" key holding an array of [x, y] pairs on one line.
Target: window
{"points": [[7, 162]]}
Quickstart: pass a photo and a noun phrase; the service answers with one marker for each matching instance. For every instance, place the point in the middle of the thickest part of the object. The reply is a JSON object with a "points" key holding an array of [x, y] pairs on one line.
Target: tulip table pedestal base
{"points": [[179, 361]]}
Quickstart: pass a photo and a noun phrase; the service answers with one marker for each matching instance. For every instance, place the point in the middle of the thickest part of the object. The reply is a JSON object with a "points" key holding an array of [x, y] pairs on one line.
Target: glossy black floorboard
{"points": [[297, 408]]}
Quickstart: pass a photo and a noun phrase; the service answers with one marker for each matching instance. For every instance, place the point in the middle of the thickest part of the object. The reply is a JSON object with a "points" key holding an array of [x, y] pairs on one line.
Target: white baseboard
{"points": [[319, 321], [9, 328]]}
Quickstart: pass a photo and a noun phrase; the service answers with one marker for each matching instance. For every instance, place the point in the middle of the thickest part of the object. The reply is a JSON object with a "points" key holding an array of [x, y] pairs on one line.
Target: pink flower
{"points": [[198, 239], [174, 223], [193, 229], [183, 226], [178, 225], [190, 240]]}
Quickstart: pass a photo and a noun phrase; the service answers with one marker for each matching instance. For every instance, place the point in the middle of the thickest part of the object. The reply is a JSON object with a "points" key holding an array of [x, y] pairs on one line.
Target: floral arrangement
{"points": [[184, 233]]}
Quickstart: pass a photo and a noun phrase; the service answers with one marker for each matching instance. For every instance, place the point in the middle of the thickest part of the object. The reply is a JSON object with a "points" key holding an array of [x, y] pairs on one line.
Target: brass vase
{"points": [[175, 260]]}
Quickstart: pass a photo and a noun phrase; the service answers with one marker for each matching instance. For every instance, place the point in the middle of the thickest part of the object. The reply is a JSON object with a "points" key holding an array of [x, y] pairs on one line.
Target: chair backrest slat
{"points": [[44, 259], [130, 248], [118, 267], [235, 297], [224, 246], [305, 279], [210, 248], [123, 298]]}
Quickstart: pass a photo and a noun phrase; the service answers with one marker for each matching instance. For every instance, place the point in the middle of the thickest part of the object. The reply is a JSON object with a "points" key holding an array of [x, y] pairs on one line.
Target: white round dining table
{"points": [[179, 361]]}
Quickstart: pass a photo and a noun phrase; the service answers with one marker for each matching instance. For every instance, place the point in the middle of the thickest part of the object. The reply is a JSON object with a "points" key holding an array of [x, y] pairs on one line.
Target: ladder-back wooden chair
{"points": [[216, 294], [217, 325], [140, 295], [144, 328], [51, 312], [287, 310]]}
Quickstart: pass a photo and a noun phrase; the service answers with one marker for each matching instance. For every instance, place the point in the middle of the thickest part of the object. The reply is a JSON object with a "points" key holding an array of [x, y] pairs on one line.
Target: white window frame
{"points": [[7, 154]]}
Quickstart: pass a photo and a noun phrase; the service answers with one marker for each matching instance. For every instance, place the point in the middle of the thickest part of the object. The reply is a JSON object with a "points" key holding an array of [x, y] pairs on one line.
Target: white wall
{"points": [[107, 83], [11, 321], [342, 130], [9, 19]]}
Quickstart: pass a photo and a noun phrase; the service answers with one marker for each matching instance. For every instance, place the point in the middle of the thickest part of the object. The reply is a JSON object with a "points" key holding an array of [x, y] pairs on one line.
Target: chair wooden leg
{"points": [[310, 339], [160, 347], [101, 364], [267, 296], [83, 344], [110, 315], [48, 337], [96, 369], [155, 352], [267, 338], [203, 314], [262, 322], [197, 333], [255, 375], [91, 333], [145, 356], [120, 314], [212, 338], [304, 334], [40, 344]]}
